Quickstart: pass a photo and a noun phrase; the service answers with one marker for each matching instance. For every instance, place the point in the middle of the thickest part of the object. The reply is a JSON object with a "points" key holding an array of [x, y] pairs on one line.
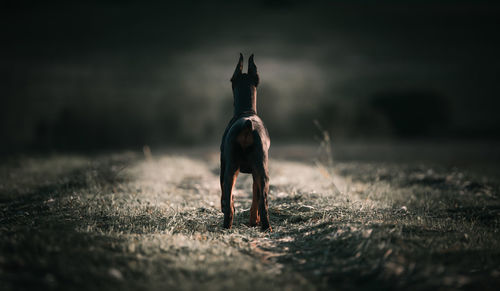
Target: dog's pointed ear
{"points": [[239, 69], [252, 71]]}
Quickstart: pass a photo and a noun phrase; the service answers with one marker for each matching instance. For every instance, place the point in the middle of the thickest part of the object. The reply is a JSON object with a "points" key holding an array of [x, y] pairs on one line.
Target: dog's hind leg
{"points": [[222, 169], [261, 179], [263, 206], [230, 174], [254, 210]]}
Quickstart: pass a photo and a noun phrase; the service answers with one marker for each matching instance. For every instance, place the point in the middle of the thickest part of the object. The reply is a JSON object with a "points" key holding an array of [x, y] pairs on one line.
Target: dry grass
{"points": [[127, 222]]}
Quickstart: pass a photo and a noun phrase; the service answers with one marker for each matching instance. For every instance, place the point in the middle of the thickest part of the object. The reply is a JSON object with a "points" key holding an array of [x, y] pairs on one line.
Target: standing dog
{"points": [[244, 148]]}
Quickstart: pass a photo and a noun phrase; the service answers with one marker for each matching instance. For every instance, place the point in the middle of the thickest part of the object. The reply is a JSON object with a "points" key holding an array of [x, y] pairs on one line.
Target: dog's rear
{"points": [[245, 137], [246, 129], [244, 148]]}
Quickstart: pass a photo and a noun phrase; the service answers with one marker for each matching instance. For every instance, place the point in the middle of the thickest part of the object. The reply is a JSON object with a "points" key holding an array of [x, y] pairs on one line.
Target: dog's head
{"points": [[245, 86]]}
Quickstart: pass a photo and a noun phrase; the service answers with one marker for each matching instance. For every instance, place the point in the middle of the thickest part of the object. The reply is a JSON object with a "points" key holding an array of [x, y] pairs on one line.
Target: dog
{"points": [[244, 148]]}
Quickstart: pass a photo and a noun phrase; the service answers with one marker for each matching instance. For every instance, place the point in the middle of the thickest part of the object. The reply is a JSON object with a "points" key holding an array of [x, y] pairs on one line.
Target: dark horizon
{"points": [[101, 75]]}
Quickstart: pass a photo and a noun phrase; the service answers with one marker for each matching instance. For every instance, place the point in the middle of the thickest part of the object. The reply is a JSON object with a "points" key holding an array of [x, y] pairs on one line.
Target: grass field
{"points": [[406, 216]]}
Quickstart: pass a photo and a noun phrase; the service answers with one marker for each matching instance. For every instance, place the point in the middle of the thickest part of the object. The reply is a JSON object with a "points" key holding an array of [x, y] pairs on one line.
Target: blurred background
{"points": [[95, 75]]}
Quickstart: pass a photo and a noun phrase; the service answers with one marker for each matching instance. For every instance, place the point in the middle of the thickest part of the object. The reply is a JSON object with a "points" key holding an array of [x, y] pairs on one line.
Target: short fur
{"points": [[244, 148]]}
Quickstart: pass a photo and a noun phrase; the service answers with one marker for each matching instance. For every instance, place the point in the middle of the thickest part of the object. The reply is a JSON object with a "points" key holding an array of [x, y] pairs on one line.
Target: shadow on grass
{"points": [[39, 245], [349, 253], [403, 176]]}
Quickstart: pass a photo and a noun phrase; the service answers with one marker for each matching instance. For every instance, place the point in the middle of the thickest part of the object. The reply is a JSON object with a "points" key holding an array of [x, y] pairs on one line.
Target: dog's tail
{"points": [[248, 125]]}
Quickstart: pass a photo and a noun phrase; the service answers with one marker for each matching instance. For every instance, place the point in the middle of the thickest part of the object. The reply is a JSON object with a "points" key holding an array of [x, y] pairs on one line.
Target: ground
{"points": [[371, 216]]}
